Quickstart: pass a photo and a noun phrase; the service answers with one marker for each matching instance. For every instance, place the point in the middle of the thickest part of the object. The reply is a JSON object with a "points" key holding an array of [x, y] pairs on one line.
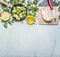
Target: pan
{"points": [[16, 14]]}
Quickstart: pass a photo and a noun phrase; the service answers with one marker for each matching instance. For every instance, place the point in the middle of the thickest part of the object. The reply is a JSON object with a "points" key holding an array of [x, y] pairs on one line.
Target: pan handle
{"points": [[5, 3]]}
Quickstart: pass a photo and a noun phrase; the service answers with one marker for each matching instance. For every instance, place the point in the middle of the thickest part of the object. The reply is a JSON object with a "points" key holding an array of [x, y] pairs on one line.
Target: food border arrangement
{"points": [[12, 11]]}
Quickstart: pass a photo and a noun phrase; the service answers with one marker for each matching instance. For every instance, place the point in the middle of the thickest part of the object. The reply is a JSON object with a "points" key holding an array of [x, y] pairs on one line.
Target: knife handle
{"points": [[50, 4]]}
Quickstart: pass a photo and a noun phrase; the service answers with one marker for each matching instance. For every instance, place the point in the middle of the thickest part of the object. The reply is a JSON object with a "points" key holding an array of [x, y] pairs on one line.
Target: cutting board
{"points": [[44, 5]]}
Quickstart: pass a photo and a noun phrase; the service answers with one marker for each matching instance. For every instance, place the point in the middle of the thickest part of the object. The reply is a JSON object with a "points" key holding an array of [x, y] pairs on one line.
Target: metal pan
{"points": [[11, 6]]}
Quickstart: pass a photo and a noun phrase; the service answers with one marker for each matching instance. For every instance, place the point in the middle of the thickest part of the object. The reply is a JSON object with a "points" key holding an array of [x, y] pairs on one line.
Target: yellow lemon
{"points": [[5, 16], [30, 19]]}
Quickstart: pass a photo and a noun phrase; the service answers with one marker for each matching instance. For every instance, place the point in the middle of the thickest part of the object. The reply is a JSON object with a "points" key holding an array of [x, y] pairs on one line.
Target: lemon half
{"points": [[5, 16], [30, 20]]}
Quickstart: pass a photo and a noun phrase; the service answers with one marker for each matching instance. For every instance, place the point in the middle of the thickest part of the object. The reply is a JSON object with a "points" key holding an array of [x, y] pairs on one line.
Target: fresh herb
{"points": [[14, 1], [35, 2], [59, 17], [59, 6], [59, 9], [59, 3], [32, 7], [5, 8], [23, 1], [10, 22], [1, 10], [5, 24]]}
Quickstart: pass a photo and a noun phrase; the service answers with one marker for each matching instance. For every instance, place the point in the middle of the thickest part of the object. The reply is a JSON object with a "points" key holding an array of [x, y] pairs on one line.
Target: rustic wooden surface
{"points": [[42, 22]]}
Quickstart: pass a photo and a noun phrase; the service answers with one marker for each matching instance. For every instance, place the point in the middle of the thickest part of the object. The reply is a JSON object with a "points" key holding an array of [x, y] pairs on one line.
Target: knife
{"points": [[51, 8]]}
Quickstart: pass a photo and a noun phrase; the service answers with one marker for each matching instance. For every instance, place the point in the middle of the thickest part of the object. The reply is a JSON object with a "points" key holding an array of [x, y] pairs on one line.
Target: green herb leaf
{"points": [[10, 22], [58, 2], [13, 21], [35, 2], [4, 8], [23, 1], [14, 1], [32, 7], [59, 17], [5, 25], [59, 9]]}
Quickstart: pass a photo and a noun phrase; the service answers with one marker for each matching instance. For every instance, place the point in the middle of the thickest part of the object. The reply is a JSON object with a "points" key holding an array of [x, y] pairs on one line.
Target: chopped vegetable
{"points": [[19, 12]]}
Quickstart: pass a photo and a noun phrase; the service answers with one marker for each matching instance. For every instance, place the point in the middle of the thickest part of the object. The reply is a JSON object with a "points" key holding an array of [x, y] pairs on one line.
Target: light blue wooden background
{"points": [[23, 40]]}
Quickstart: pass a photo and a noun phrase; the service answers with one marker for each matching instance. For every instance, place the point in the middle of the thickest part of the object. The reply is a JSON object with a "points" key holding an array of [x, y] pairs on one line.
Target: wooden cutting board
{"points": [[47, 8]]}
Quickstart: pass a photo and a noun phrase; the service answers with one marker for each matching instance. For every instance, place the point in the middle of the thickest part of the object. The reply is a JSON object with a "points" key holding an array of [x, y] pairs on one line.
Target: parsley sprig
{"points": [[32, 7]]}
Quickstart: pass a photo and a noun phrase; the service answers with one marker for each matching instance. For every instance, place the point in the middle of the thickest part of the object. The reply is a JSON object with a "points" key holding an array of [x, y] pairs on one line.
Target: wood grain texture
{"points": [[40, 19]]}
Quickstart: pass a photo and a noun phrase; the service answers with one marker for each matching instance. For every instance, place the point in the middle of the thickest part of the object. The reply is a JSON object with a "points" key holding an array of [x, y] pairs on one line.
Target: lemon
{"points": [[5, 16], [30, 19]]}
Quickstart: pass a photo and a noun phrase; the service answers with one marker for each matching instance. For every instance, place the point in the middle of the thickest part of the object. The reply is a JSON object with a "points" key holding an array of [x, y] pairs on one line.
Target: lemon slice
{"points": [[5, 16], [30, 20]]}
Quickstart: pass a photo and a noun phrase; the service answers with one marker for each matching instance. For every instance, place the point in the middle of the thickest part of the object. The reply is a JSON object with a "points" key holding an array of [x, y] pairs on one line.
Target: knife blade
{"points": [[52, 10]]}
